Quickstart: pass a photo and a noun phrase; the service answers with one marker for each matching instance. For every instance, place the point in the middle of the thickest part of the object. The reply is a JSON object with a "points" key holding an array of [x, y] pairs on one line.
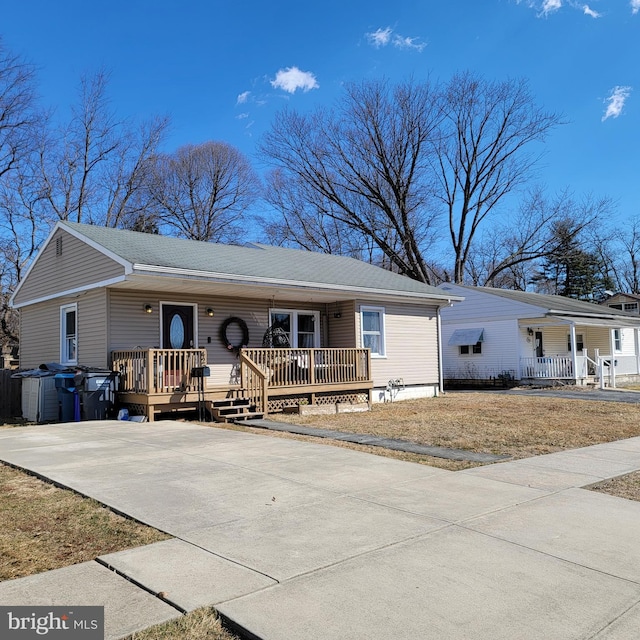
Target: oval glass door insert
{"points": [[176, 332]]}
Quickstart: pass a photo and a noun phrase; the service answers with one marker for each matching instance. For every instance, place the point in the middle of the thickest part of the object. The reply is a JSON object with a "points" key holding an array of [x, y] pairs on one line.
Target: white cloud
{"points": [[545, 8], [380, 37], [383, 37], [588, 11], [242, 116], [615, 102], [550, 6], [408, 43], [635, 6], [291, 79], [243, 97]]}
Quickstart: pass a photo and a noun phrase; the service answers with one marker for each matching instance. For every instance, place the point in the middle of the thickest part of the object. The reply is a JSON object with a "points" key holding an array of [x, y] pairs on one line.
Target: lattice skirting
{"points": [[136, 409], [277, 405]]}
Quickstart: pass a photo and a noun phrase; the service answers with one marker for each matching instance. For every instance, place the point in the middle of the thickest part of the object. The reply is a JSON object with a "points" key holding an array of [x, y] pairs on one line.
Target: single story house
{"points": [[629, 302], [499, 334], [182, 320]]}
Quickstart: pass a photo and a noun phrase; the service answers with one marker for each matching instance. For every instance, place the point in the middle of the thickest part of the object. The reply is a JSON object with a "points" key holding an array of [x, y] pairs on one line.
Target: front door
{"points": [[177, 326], [539, 347]]}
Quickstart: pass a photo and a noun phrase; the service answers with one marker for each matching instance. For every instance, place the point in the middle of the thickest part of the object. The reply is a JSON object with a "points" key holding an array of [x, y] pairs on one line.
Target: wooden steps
{"points": [[234, 409]]}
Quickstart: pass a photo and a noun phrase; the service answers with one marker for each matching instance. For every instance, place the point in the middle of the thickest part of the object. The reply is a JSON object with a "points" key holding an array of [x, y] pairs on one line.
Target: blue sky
{"points": [[221, 69]]}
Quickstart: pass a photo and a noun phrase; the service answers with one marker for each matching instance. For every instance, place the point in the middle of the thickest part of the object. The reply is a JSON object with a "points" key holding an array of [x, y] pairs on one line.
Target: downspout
{"points": [[440, 363]]}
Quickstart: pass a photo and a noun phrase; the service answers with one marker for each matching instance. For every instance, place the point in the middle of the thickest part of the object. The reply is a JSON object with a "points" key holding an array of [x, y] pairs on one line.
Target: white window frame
{"points": [[294, 324], [617, 340], [64, 351], [471, 349], [383, 341]]}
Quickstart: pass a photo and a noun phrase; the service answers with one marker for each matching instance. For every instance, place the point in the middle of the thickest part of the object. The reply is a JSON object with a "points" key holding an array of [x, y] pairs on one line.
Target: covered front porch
{"points": [[581, 351], [160, 380]]}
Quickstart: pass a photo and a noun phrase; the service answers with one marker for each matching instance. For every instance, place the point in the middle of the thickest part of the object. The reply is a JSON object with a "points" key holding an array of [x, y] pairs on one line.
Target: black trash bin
{"points": [[68, 398], [98, 394]]}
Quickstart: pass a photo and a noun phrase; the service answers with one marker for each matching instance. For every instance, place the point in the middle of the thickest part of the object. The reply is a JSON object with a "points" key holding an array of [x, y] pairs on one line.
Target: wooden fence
{"points": [[10, 395]]}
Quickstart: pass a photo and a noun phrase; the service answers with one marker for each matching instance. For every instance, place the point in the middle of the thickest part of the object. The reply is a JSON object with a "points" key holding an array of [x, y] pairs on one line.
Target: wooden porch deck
{"points": [[158, 380]]}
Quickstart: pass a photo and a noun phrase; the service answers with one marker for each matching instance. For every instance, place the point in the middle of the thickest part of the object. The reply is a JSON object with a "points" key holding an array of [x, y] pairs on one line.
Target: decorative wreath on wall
{"points": [[245, 334]]}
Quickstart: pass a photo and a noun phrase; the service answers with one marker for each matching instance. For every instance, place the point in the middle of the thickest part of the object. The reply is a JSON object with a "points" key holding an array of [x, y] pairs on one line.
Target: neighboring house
{"points": [[501, 334], [179, 318], [628, 302]]}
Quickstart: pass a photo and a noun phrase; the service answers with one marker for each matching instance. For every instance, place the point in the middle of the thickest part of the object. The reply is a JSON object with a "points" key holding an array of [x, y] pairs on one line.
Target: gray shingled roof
{"points": [[255, 260], [557, 304]]}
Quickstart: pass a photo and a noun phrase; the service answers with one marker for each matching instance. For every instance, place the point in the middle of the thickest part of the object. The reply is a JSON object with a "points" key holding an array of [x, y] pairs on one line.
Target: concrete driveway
{"points": [[290, 539]]}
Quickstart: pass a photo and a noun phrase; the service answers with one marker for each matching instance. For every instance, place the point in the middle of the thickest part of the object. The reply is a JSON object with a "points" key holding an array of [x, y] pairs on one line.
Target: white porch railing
{"points": [[556, 367]]}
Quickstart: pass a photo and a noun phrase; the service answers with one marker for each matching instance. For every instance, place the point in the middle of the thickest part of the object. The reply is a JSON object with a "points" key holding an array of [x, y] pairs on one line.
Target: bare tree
{"points": [[508, 255], [93, 168], [619, 253], [484, 153], [393, 163], [364, 166], [202, 192], [308, 224], [18, 112], [20, 122]]}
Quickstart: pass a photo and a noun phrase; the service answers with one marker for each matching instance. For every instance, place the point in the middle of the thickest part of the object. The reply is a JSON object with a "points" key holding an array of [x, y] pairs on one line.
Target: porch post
{"points": [[440, 367], [574, 356], [612, 369]]}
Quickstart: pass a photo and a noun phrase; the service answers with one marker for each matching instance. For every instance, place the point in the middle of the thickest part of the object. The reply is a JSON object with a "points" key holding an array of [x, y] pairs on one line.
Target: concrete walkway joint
{"points": [[291, 539]]}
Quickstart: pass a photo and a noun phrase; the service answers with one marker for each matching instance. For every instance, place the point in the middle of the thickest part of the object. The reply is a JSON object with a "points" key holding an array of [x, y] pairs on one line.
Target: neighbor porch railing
{"points": [[157, 370], [556, 367], [265, 370]]}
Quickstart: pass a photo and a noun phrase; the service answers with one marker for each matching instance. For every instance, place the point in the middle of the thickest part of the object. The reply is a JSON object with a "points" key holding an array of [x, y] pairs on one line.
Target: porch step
{"points": [[233, 409]]}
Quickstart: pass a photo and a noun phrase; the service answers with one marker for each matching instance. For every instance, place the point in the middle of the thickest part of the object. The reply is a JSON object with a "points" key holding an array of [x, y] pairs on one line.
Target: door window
{"points": [[177, 326]]}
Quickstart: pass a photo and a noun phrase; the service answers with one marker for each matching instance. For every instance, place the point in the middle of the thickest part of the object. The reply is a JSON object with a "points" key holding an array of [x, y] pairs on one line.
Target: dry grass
{"points": [[514, 425], [201, 624], [43, 527], [624, 487]]}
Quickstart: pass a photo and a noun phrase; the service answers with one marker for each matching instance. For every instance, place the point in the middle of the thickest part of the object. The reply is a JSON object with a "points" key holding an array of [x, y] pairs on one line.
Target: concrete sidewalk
{"points": [[290, 539]]}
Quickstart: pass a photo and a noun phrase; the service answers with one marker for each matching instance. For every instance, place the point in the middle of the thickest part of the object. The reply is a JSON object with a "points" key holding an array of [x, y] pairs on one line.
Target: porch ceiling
{"points": [[263, 291], [555, 320]]}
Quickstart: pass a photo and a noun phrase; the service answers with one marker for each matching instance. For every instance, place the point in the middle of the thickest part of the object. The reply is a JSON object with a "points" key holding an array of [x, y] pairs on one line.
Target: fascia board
{"points": [[71, 292]]}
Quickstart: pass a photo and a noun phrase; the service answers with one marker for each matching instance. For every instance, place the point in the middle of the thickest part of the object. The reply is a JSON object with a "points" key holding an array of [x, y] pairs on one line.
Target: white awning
{"points": [[466, 336]]}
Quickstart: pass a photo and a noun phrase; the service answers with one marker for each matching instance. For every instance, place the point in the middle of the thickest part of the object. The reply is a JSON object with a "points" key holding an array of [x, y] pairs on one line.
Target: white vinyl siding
{"points": [[500, 348]]}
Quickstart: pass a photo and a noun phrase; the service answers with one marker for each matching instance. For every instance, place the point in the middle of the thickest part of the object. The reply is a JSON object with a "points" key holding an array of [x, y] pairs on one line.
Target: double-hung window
{"points": [[617, 340], [302, 328], [372, 330], [69, 334]]}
